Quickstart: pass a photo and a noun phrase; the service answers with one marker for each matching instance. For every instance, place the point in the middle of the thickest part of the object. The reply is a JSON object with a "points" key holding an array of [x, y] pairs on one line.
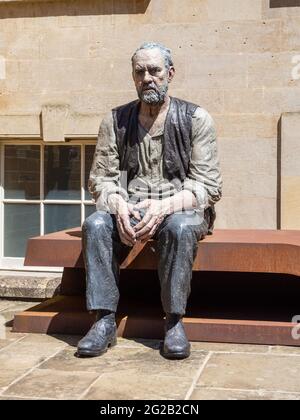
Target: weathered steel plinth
{"points": [[245, 289]]}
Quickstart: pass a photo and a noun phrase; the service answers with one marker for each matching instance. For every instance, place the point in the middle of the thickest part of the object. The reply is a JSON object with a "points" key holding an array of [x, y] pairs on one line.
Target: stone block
{"points": [[248, 155], [101, 101], [272, 70], [83, 126], [62, 43], [70, 75], [24, 126], [217, 71], [290, 202], [282, 9], [244, 101], [30, 76], [250, 126], [249, 184], [16, 103], [290, 171], [281, 100], [189, 11], [290, 145], [54, 118], [57, 76], [291, 34], [111, 74], [9, 80], [210, 99], [234, 9], [246, 213], [234, 36], [18, 47], [28, 285]]}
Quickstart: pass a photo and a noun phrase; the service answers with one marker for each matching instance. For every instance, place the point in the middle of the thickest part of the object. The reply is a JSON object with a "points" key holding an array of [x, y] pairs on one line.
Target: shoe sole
{"points": [[87, 353], [175, 356]]}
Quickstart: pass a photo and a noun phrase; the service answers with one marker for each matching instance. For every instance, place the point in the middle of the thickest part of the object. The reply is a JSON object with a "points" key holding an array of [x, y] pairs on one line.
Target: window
{"points": [[284, 3], [43, 190]]}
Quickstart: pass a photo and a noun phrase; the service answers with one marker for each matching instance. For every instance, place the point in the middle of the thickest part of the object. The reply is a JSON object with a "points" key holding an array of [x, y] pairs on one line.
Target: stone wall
{"points": [[235, 58]]}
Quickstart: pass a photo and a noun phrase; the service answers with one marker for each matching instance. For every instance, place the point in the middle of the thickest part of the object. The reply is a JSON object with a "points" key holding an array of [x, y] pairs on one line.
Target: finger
{"points": [[136, 214], [145, 230], [124, 240], [148, 236], [142, 205], [125, 221], [124, 234], [146, 219], [154, 229]]}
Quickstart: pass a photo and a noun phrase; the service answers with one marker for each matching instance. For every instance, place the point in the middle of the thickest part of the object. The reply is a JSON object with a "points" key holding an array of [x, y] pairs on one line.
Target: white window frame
{"points": [[8, 263]]}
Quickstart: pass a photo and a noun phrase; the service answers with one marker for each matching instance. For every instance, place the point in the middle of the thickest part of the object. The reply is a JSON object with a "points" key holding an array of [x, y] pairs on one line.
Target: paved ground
{"points": [[44, 367]]}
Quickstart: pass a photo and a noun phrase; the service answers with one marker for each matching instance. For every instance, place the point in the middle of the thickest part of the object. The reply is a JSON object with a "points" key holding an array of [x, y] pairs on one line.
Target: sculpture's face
{"points": [[151, 76]]}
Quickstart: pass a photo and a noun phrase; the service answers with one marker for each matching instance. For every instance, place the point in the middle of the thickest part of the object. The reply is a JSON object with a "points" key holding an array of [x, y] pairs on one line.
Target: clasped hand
{"points": [[155, 212]]}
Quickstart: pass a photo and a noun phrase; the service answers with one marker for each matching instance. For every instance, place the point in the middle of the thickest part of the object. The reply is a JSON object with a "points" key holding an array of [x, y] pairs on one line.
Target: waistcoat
{"points": [[177, 141]]}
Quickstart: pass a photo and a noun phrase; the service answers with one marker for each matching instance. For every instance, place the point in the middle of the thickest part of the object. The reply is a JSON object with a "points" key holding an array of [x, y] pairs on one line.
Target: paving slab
{"points": [[138, 342], [252, 372], [36, 366], [145, 361], [4, 304], [295, 351], [52, 384], [12, 336], [19, 357], [132, 385], [6, 342], [202, 394], [229, 348]]}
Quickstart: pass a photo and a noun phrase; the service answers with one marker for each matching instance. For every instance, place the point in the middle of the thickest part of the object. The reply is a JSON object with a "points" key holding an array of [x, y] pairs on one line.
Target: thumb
{"points": [[142, 205]]}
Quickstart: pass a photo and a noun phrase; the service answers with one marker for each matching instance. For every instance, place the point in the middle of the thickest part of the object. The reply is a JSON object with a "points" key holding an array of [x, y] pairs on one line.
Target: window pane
{"points": [[89, 210], [60, 217], [89, 155], [21, 222], [62, 173], [22, 172]]}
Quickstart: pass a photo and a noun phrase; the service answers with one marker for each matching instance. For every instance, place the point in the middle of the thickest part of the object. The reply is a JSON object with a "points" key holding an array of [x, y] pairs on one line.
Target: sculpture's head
{"points": [[152, 71]]}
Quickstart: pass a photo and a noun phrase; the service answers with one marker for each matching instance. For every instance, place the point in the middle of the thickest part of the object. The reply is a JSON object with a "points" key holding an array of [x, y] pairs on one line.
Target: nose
{"points": [[147, 77]]}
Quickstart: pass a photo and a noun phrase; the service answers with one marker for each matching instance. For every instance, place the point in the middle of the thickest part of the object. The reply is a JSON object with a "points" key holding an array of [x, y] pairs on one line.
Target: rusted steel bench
{"points": [[225, 261]]}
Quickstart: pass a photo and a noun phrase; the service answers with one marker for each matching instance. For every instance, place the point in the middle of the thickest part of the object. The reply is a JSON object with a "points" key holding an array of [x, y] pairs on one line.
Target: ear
{"points": [[171, 74]]}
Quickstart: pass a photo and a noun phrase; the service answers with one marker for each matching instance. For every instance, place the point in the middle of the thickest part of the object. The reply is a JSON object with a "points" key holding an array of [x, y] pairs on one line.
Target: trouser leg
{"points": [[178, 238], [102, 252]]}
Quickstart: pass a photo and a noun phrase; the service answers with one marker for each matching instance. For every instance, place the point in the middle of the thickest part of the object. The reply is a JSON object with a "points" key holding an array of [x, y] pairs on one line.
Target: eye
{"points": [[155, 70]]}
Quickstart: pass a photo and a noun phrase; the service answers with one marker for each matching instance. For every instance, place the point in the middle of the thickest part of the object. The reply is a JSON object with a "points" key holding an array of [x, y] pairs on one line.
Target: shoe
{"points": [[176, 344], [101, 336]]}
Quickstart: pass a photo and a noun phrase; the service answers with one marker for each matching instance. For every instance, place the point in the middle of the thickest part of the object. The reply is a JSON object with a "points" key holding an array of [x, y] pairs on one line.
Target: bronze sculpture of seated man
{"points": [[156, 175]]}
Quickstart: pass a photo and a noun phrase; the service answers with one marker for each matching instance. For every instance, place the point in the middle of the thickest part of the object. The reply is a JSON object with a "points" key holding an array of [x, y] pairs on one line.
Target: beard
{"points": [[156, 96]]}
